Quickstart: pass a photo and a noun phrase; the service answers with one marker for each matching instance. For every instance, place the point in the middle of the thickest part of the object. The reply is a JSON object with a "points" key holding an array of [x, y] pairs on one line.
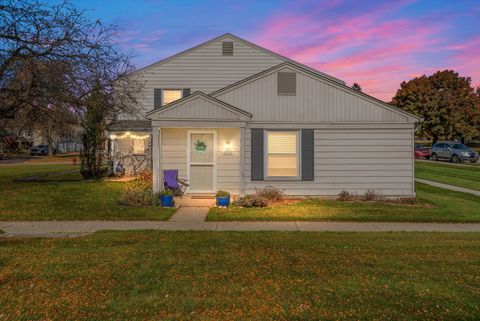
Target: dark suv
{"points": [[455, 152]]}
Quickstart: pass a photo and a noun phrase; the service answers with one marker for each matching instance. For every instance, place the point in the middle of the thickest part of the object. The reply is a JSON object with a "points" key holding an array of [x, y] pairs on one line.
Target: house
{"points": [[231, 115], [65, 139]]}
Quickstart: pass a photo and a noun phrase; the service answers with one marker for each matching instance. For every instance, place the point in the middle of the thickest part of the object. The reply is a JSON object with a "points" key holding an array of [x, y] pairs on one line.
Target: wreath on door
{"points": [[200, 146]]}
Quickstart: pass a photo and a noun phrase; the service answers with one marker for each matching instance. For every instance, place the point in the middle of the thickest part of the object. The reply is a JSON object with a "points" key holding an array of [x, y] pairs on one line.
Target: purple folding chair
{"points": [[172, 182]]}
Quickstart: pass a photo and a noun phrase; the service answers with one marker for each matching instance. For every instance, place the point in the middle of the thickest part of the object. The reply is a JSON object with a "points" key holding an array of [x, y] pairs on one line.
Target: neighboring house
{"points": [[65, 141], [69, 140], [230, 115]]}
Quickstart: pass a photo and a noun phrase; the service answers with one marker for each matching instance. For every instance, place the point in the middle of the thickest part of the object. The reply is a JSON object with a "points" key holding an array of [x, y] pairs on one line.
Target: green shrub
{"points": [[139, 192], [167, 192], [251, 201], [222, 194]]}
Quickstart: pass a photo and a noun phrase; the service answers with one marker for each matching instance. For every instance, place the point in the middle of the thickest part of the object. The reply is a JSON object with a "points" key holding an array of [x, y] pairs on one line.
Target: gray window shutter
{"points": [[307, 155], [257, 154], [227, 48], [157, 98], [287, 83], [186, 92]]}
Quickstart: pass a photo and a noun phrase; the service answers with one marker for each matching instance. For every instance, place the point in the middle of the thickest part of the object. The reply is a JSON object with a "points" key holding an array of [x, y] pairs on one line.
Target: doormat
{"points": [[206, 197]]}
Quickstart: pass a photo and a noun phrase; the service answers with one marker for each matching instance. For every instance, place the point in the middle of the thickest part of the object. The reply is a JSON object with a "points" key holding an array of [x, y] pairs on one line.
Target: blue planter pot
{"points": [[223, 201], [166, 200]]}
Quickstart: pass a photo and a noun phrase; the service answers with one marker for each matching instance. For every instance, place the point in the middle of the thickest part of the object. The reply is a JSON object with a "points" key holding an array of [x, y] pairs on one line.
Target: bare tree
{"points": [[54, 61], [45, 93], [33, 32]]}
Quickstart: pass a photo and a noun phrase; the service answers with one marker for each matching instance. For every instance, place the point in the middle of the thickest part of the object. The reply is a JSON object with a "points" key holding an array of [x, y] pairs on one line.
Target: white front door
{"points": [[201, 161]]}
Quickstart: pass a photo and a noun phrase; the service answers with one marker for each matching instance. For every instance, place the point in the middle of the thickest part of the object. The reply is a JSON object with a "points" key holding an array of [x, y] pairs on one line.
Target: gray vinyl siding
{"points": [[205, 69], [173, 150], [355, 160], [228, 164], [316, 100], [198, 108]]}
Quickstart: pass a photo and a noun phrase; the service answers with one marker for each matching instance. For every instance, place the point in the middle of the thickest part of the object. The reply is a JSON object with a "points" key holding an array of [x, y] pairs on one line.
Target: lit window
{"points": [[131, 143], [138, 146], [282, 153], [170, 95]]}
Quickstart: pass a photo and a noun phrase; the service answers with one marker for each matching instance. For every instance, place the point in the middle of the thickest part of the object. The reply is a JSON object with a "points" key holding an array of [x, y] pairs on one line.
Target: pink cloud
{"points": [[371, 48]]}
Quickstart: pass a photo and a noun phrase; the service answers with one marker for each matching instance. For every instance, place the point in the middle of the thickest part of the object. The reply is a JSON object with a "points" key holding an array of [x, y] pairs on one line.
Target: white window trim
{"points": [[265, 157], [163, 94]]}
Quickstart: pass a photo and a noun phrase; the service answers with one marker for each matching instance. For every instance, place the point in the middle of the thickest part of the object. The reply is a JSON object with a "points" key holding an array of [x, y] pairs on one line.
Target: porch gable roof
{"points": [[199, 107]]}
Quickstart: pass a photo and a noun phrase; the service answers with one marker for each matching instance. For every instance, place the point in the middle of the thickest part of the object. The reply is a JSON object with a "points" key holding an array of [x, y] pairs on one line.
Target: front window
{"points": [[170, 95], [282, 153]]}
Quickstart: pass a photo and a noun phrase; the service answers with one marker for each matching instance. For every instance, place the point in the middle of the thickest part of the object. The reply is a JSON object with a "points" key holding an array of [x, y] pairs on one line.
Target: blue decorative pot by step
{"points": [[166, 200], [223, 201]]}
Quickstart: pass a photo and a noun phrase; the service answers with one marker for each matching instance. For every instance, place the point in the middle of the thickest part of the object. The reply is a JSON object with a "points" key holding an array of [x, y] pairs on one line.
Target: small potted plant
{"points": [[166, 198], [223, 198]]}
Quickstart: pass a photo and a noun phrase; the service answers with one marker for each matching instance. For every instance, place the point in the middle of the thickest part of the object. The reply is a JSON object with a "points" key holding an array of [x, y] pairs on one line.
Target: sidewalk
{"points": [[446, 186], [80, 228], [191, 217]]}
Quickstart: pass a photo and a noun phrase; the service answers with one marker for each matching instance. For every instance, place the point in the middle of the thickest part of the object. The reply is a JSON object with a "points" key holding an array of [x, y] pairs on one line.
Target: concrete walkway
{"points": [[191, 221], [446, 186], [191, 217]]}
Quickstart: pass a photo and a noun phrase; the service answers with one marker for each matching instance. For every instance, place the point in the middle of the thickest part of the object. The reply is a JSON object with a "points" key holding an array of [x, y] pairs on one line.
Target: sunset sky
{"points": [[375, 43]]}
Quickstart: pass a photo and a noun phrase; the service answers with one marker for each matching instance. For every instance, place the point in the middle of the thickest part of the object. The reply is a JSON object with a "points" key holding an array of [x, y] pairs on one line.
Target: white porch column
{"points": [[242, 161], [156, 159]]}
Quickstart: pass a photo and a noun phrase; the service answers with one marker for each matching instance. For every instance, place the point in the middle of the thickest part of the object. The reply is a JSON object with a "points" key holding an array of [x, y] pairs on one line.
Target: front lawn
{"points": [[467, 176], [434, 205], [65, 197], [242, 276]]}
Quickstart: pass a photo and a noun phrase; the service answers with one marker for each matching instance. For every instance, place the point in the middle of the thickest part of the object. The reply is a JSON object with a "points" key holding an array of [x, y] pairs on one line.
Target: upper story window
{"points": [[227, 48], [163, 97], [286, 83], [282, 153], [170, 95]]}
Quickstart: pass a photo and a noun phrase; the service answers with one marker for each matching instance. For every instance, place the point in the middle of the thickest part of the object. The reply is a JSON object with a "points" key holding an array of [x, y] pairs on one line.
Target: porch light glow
{"points": [[227, 149], [129, 135]]}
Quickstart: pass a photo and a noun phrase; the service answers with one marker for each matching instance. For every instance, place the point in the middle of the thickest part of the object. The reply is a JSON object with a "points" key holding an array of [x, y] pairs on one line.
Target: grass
{"points": [[65, 197], [466, 176], [434, 205], [242, 276], [59, 158]]}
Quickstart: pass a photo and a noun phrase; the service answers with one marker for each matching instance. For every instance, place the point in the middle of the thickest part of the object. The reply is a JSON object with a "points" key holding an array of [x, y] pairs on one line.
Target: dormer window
{"points": [[227, 48], [286, 83]]}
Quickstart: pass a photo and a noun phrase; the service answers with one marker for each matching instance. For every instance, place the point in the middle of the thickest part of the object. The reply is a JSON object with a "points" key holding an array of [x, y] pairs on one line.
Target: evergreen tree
{"points": [[357, 87]]}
